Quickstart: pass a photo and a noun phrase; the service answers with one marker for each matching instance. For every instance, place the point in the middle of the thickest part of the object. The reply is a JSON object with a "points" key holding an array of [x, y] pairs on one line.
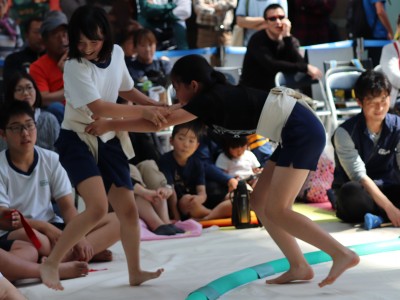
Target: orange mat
{"points": [[227, 221]]}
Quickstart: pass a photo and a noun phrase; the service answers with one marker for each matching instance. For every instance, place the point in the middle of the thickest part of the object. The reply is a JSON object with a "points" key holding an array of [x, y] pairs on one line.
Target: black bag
{"points": [[357, 23], [241, 206], [165, 36]]}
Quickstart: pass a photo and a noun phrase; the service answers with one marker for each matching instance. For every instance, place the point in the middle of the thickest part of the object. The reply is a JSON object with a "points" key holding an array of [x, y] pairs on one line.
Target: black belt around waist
{"points": [[213, 28]]}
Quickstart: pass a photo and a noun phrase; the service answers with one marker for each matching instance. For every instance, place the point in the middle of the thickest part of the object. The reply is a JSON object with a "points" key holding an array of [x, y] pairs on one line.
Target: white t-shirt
{"points": [[241, 167], [31, 193], [84, 82]]}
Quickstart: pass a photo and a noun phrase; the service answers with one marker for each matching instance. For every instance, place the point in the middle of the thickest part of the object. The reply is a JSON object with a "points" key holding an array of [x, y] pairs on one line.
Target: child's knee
{"points": [[97, 211]]}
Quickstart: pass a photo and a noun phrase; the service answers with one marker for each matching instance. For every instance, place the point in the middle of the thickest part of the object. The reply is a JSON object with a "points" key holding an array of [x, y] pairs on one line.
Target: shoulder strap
{"points": [[247, 7]]}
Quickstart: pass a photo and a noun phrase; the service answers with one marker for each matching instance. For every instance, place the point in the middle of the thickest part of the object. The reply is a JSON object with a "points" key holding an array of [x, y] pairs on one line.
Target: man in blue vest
{"points": [[367, 156]]}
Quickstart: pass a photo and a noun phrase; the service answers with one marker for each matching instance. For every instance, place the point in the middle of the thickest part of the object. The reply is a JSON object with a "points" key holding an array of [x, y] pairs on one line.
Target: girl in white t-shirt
{"points": [[95, 75]]}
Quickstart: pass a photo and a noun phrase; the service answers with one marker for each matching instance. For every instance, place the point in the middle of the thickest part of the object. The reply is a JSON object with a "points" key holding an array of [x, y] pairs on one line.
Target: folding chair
{"points": [[339, 83], [302, 80], [364, 64], [232, 74]]}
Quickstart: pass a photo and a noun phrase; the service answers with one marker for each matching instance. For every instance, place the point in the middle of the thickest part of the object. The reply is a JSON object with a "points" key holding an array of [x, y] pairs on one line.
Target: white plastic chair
{"points": [[342, 78], [232, 74]]}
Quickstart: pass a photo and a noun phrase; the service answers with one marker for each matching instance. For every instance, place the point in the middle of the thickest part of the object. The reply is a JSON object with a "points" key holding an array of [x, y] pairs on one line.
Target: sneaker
{"points": [[176, 229]]}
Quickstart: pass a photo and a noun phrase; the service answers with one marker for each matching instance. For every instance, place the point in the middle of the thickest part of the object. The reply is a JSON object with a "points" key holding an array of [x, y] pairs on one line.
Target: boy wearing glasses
{"points": [[30, 177], [273, 50]]}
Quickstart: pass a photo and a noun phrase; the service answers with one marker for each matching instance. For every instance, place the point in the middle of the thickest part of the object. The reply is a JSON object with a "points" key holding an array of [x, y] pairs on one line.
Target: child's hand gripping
{"points": [[13, 219], [156, 115]]}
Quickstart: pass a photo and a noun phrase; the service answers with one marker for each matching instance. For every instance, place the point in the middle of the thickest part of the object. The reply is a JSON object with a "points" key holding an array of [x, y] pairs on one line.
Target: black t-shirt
{"points": [[265, 57], [231, 110]]}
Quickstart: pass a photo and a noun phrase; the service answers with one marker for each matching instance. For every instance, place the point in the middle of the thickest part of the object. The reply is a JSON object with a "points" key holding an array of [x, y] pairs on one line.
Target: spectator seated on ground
{"points": [[22, 87], [367, 174], [237, 161], [19, 260], [185, 172], [152, 194], [25, 165]]}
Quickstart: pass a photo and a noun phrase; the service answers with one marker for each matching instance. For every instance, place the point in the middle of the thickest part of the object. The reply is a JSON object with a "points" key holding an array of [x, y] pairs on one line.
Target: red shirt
{"points": [[47, 74]]}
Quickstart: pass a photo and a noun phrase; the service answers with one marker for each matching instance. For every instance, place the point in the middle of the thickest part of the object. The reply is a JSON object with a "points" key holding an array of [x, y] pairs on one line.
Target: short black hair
{"points": [[230, 142], [269, 7], [371, 84], [92, 22], [27, 24], [14, 108], [196, 126]]}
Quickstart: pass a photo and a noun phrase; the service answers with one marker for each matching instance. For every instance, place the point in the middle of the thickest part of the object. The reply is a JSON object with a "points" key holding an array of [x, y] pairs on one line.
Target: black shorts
{"points": [[6, 244], [303, 140], [80, 163]]}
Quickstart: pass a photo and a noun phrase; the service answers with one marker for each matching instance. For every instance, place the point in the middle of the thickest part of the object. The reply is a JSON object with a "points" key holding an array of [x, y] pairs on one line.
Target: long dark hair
{"points": [[91, 21], [12, 83], [196, 67]]}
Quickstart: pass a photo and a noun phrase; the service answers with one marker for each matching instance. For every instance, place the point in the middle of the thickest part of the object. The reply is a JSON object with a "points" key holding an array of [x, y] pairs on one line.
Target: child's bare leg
{"points": [[8, 291], [123, 203], [172, 203], [20, 234], [161, 208], [148, 214], [93, 192], [14, 267], [284, 186], [104, 235], [24, 250], [194, 210], [222, 210], [299, 268]]}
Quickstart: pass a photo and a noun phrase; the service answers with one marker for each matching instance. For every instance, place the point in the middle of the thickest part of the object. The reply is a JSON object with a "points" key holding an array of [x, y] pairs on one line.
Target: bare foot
{"points": [[143, 276], [49, 275], [294, 274], [340, 264], [73, 269], [103, 256]]}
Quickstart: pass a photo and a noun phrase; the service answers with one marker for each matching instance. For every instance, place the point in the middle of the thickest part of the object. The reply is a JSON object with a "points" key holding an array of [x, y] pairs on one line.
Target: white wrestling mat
{"points": [[191, 263]]}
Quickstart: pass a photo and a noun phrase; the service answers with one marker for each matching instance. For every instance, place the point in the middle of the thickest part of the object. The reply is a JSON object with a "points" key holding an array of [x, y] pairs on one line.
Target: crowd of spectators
{"points": [[34, 46]]}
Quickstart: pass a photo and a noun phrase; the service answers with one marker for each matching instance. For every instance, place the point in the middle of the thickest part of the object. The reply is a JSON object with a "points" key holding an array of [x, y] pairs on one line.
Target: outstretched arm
{"points": [[154, 114], [138, 124]]}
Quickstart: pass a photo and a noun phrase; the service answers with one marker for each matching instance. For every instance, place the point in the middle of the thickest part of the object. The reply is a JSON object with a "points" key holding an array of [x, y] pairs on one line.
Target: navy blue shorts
{"points": [[6, 244], [80, 164], [303, 140]]}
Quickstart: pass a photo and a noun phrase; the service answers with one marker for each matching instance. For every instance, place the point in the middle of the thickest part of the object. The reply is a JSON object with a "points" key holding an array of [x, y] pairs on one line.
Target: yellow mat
{"points": [[315, 213]]}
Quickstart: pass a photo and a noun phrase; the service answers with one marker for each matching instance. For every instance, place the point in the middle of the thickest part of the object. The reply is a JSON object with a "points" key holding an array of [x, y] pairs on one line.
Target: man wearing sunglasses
{"points": [[273, 50]]}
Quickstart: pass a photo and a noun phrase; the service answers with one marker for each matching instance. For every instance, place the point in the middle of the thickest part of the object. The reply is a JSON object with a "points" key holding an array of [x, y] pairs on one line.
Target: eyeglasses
{"points": [[21, 90], [29, 126], [274, 18]]}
